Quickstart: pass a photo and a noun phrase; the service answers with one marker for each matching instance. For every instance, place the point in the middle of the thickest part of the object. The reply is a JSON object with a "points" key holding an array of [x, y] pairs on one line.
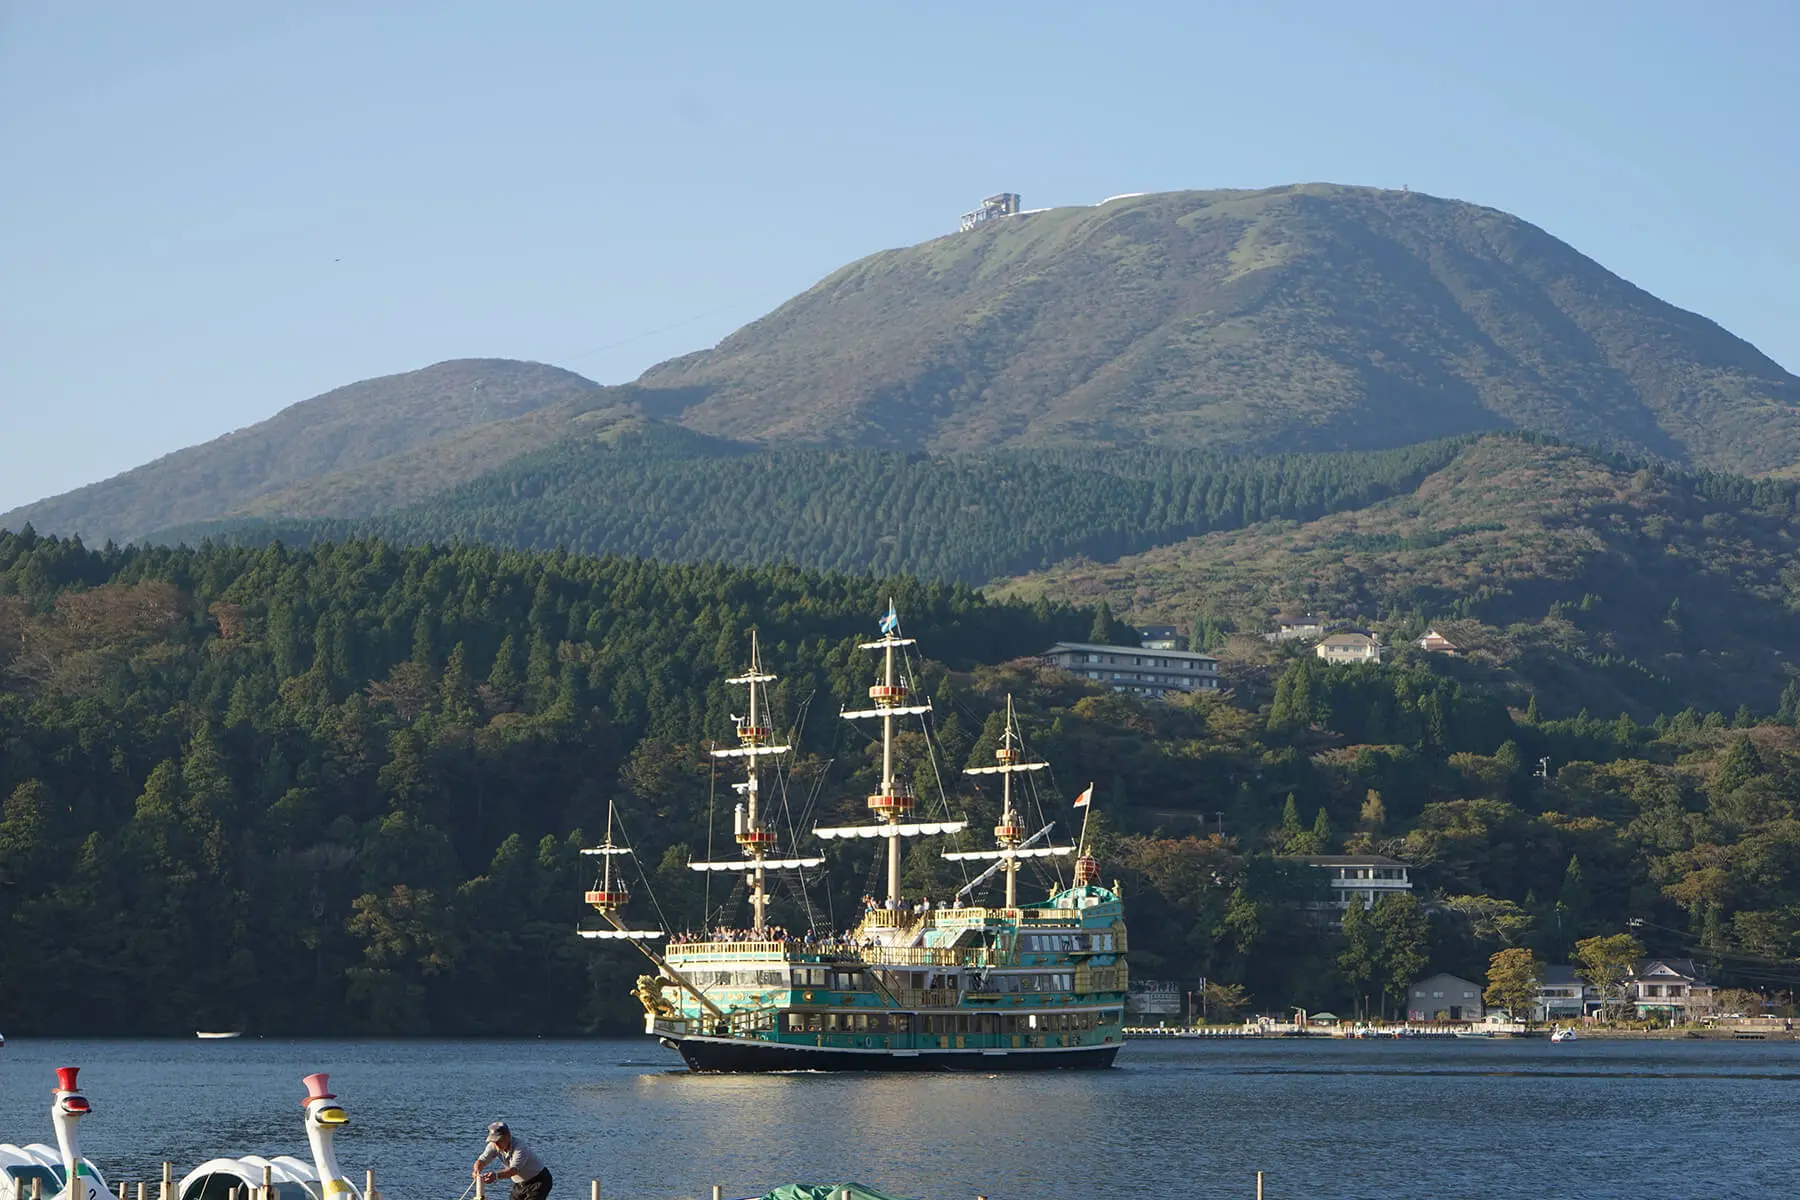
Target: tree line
{"points": [[343, 789]]}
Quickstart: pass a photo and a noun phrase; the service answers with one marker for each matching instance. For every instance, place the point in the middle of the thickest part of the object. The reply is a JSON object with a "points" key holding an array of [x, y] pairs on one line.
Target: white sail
{"points": [[746, 864], [1008, 769], [1034, 852], [747, 751], [621, 934], [914, 829], [903, 711], [607, 850]]}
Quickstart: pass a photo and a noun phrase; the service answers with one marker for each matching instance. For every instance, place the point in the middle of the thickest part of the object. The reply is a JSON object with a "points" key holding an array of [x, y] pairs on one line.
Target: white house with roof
{"points": [[1675, 988], [1436, 643], [1349, 646], [1564, 996]]}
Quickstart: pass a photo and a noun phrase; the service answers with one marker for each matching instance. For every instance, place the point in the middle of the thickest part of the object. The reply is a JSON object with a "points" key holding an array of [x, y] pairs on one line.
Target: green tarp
{"points": [[827, 1191]]}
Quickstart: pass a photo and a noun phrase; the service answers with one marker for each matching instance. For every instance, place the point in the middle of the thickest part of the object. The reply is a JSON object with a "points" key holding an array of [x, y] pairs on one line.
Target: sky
{"points": [[211, 211]]}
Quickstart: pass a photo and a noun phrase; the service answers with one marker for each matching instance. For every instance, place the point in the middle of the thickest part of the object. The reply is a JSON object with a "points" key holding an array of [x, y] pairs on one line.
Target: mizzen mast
{"points": [[752, 835], [894, 801], [1009, 834]]}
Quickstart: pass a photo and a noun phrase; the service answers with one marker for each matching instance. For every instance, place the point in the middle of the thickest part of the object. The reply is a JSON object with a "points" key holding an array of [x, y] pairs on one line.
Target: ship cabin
{"points": [[1051, 975]]}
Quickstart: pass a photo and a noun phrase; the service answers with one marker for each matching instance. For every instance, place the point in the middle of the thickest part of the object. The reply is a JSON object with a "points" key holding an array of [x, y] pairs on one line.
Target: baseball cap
{"points": [[497, 1129]]}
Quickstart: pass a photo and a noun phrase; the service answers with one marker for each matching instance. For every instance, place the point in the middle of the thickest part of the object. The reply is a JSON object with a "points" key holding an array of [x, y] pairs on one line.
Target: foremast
{"points": [[749, 829], [1009, 834], [894, 801]]}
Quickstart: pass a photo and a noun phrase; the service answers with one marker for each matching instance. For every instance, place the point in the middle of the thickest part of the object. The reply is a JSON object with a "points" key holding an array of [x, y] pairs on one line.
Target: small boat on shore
{"points": [[209, 1036], [1474, 1033]]}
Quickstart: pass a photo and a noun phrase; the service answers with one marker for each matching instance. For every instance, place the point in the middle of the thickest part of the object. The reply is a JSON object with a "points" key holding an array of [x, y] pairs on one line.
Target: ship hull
{"points": [[742, 1054]]}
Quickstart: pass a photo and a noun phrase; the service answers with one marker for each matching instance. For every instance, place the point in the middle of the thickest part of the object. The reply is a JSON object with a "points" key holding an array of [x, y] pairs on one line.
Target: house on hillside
{"points": [[1436, 643], [1160, 637], [1359, 878], [1297, 627], [1444, 997], [1350, 646], [1673, 988], [1137, 670]]}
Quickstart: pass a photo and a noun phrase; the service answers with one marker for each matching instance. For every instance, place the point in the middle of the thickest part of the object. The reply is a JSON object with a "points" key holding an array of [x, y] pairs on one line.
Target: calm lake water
{"points": [[1324, 1119]]}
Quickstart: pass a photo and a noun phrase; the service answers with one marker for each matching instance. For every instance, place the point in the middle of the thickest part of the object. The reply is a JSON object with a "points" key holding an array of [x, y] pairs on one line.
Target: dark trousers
{"points": [[535, 1188]]}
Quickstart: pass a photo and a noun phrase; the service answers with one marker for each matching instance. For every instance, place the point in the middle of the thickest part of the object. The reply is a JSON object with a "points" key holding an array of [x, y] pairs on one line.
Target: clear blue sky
{"points": [[209, 212]]}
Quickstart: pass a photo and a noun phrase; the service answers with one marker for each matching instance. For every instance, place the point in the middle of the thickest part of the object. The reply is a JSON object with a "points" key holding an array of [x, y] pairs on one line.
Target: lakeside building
{"points": [[1563, 996], [1444, 997], [1350, 646], [1359, 878], [1138, 670], [1674, 988]]}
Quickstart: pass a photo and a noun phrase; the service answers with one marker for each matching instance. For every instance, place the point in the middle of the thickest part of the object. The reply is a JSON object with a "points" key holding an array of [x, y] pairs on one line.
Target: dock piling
{"points": [[143, 1190], [369, 1192], [124, 1191], [168, 1182], [594, 1190], [37, 1188], [718, 1192], [1259, 1195]]}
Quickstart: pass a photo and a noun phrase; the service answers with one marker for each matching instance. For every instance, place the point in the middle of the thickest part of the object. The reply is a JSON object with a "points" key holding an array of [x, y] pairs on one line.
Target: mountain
{"points": [[408, 423], [1608, 584], [1312, 317], [1291, 320]]}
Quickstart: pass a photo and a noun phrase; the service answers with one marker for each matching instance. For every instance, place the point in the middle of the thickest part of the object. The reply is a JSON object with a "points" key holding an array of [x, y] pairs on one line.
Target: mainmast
{"points": [[894, 801], [1009, 834], [748, 829]]}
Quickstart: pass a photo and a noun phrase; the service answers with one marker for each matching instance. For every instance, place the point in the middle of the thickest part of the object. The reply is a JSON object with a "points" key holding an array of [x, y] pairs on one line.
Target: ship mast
{"points": [[1009, 834], [748, 828], [894, 801]]}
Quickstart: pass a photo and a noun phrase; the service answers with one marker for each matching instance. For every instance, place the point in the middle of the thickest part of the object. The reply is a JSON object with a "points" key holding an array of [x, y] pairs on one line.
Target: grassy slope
{"points": [[343, 434], [1299, 318], [1619, 589]]}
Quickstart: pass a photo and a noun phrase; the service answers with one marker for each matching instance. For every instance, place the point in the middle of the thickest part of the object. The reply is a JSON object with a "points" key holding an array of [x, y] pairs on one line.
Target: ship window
{"points": [[902, 1022], [796, 1022]]}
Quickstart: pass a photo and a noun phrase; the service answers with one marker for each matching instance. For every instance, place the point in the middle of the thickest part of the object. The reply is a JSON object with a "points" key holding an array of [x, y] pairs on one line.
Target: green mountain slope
{"points": [[1611, 586], [1300, 318], [643, 488], [341, 440]]}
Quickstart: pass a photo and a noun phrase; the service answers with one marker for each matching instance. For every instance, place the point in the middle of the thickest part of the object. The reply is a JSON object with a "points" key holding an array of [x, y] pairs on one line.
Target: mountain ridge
{"points": [[1297, 319]]}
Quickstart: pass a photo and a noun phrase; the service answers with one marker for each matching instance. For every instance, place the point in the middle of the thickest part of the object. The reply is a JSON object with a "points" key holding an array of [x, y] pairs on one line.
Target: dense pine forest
{"points": [[344, 787], [666, 493]]}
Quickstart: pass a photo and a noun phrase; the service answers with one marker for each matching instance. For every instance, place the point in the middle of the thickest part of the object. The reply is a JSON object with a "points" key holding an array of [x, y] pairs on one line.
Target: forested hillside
{"points": [[1592, 581], [343, 788], [666, 493]]}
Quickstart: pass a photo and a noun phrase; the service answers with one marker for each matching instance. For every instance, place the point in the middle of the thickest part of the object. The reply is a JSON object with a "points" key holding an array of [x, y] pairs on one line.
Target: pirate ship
{"points": [[967, 986]]}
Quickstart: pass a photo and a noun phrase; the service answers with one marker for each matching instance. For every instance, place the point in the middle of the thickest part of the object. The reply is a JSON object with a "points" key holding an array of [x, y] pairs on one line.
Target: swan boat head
{"points": [[50, 1166], [67, 1107], [293, 1179], [324, 1117]]}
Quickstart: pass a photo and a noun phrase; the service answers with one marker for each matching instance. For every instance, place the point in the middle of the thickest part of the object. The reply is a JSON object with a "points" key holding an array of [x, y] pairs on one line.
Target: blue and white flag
{"points": [[891, 622]]}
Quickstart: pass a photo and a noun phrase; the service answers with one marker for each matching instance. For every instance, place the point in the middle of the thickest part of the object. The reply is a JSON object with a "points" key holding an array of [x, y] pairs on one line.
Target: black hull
{"points": [[731, 1054]]}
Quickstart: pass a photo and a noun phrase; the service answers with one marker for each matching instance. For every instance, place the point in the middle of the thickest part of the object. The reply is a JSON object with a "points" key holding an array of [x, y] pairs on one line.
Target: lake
{"points": [[1438, 1119]]}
